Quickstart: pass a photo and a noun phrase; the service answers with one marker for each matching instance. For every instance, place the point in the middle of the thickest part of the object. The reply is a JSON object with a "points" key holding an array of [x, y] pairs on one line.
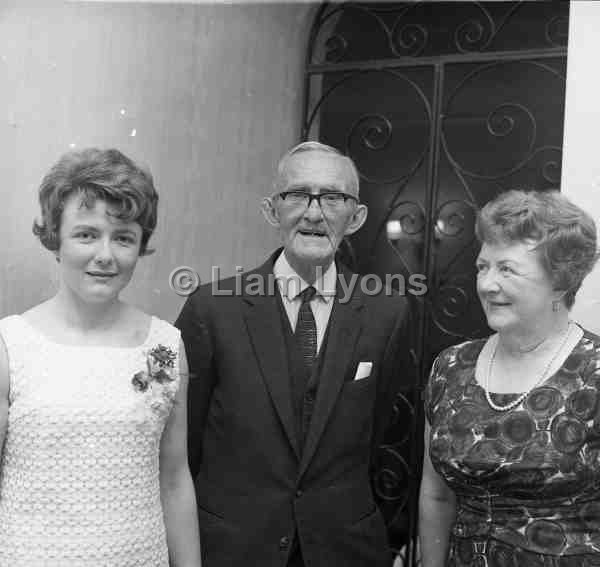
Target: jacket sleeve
{"points": [[194, 324]]}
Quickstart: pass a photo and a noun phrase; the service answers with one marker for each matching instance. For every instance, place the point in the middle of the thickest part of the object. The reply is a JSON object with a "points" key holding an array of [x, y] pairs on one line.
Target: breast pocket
{"points": [[361, 376], [355, 409], [361, 387]]}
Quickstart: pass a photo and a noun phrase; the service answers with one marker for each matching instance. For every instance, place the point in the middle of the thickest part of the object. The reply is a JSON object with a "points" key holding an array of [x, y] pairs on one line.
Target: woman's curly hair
{"points": [[94, 174], [564, 234]]}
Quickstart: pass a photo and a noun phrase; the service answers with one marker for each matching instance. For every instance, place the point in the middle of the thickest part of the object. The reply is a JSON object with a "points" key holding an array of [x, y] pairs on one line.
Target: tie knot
{"points": [[307, 294]]}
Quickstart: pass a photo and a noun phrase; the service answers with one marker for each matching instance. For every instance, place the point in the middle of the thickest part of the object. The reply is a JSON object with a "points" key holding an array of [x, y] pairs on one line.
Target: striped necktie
{"points": [[306, 328]]}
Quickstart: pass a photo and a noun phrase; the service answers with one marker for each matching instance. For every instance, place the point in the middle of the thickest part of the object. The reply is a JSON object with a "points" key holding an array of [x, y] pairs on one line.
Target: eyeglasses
{"points": [[328, 200]]}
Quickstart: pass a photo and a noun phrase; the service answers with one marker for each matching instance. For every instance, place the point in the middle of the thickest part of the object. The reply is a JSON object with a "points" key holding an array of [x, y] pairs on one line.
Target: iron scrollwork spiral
{"points": [[335, 47], [405, 225], [513, 122], [475, 34], [408, 40], [452, 302], [451, 220], [551, 164], [501, 120], [374, 137], [405, 29], [389, 482], [454, 296], [393, 475], [374, 131], [410, 219]]}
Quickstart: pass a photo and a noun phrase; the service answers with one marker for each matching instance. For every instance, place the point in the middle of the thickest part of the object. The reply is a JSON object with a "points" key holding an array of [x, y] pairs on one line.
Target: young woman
{"points": [[93, 390]]}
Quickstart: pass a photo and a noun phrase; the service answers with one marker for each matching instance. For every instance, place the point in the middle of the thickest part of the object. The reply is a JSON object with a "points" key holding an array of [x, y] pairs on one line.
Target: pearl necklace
{"points": [[542, 377]]}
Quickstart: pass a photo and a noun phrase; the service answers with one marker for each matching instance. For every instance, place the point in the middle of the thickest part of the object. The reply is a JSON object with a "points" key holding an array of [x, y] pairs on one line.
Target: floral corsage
{"points": [[158, 379]]}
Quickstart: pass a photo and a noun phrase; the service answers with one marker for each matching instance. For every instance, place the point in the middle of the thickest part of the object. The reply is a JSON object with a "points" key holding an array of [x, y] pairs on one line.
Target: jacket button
{"points": [[299, 493], [284, 542]]}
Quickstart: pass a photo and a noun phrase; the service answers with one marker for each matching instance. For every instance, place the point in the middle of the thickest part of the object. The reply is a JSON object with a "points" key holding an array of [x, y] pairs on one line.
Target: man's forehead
{"points": [[316, 167]]}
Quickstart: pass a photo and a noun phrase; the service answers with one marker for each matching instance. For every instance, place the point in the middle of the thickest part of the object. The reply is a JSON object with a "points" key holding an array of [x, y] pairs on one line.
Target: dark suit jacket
{"points": [[254, 489]]}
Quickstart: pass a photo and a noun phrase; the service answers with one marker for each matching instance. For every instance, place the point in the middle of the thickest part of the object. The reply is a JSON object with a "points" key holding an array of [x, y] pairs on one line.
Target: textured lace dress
{"points": [[79, 474], [527, 480]]}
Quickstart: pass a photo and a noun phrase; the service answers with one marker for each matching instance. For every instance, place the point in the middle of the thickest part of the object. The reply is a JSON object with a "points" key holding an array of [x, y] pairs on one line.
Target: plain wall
{"points": [[208, 96], [581, 154], [213, 93]]}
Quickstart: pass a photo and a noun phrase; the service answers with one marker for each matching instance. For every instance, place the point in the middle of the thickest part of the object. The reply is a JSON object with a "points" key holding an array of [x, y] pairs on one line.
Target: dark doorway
{"points": [[442, 105]]}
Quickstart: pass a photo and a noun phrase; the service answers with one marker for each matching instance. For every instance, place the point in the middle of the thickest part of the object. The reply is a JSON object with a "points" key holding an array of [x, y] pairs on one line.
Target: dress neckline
{"points": [[48, 340], [565, 362]]}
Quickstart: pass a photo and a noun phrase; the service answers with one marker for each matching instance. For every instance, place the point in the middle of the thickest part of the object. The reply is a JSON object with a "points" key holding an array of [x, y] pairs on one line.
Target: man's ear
{"points": [[358, 218], [269, 210]]}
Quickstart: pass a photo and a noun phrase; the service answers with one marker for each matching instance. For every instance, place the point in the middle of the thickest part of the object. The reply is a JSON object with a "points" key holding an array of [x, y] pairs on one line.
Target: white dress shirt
{"points": [[291, 285]]}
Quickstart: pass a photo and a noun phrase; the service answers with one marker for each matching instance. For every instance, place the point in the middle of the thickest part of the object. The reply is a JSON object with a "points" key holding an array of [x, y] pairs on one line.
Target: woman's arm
{"points": [[3, 392], [176, 486], [437, 508]]}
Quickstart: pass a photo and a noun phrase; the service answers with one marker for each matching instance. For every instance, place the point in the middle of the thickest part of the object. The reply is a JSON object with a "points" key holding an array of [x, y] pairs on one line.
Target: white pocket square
{"points": [[363, 370]]}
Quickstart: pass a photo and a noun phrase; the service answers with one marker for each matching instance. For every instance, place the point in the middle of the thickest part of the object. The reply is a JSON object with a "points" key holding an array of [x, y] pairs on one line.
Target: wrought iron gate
{"points": [[441, 105]]}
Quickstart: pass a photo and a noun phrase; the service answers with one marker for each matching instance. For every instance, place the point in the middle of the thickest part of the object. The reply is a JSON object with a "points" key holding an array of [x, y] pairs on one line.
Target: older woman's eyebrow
{"points": [[521, 267], [509, 262], [501, 262]]}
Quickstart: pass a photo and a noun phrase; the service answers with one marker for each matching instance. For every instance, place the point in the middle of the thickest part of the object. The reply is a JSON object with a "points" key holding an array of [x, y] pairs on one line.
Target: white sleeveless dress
{"points": [[79, 474]]}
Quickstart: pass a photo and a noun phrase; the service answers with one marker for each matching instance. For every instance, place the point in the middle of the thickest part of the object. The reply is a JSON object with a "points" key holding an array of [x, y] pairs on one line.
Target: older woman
{"points": [[511, 473], [93, 470]]}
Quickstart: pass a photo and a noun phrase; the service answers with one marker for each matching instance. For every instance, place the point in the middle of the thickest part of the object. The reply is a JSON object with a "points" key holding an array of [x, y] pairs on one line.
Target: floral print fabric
{"points": [[527, 480]]}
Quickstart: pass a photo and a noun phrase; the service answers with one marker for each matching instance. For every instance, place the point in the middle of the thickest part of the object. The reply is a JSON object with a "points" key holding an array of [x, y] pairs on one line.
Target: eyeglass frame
{"points": [[316, 196]]}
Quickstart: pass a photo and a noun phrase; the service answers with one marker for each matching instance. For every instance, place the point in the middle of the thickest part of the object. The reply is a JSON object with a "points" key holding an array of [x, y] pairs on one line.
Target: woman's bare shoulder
{"points": [[39, 313]]}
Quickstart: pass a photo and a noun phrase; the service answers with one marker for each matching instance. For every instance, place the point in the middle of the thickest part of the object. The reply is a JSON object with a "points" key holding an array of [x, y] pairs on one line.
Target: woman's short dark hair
{"points": [[565, 235], [107, 175]]}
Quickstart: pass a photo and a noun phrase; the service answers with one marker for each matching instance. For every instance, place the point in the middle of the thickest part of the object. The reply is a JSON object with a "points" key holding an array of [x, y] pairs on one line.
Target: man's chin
{"points": [[316, 256], [312, 257]]}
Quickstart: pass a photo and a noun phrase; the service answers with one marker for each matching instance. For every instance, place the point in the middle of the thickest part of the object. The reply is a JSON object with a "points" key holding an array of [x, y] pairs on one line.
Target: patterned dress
{"points": [[79, 474], [527, 480]]}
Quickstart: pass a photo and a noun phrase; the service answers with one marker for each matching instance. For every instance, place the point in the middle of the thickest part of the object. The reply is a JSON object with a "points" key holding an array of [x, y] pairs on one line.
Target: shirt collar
{"points": [[291, 284]]}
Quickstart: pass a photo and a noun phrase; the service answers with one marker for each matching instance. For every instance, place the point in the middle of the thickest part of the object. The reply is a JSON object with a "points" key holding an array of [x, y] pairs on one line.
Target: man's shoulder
{"points": [[373, 291], [232, 287]]}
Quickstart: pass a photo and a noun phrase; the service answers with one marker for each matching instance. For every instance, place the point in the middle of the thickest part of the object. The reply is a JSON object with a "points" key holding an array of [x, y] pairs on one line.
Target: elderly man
{"points": [[291, 385]]}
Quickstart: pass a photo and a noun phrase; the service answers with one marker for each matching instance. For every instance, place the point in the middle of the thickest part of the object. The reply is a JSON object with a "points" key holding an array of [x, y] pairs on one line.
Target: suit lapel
{"points": [[345, 326], [263, 322]]}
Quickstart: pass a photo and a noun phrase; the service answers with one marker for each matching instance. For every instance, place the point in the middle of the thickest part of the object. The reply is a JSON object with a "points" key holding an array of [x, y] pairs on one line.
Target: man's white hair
{"points": [[353, 181]]}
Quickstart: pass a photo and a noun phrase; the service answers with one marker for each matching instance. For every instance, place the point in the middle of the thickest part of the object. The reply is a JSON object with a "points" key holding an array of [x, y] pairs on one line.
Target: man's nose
{"points": [[313, 211]]}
